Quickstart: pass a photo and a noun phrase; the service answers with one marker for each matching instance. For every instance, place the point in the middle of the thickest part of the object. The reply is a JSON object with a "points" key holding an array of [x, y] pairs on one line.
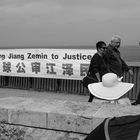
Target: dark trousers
{"points": [[138, 98], [90, 97]]}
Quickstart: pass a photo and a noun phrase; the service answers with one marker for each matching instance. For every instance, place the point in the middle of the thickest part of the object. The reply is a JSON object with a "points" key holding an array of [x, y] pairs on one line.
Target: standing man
{"points": [[113, 58]]}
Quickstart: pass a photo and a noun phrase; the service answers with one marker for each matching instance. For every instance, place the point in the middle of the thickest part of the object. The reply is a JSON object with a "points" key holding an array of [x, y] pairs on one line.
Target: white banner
{"points": [[46, 63]]}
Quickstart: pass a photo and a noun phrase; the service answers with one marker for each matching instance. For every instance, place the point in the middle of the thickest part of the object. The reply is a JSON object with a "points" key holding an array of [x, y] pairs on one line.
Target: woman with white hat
{"points": [[111, 87]]}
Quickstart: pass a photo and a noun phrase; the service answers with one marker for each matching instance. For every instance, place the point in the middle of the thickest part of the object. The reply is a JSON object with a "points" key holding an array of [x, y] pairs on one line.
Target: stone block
{"points": [[73, 116], [28, 118], [96, 122], [69, 123], [84, 124], [76, 136], [3, 114], [65, 122]]}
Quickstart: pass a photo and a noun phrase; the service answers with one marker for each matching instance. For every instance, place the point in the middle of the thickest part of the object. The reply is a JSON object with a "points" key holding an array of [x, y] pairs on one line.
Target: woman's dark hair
{"points": [[100, 44]]}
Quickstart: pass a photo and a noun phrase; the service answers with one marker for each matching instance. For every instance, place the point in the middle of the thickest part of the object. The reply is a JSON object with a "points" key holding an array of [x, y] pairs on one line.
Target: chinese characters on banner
{"points": [[46, 63]]}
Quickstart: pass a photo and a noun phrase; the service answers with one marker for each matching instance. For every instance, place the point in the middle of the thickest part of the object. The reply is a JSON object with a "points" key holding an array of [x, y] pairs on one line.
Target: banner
{"points": [[46, 63]]}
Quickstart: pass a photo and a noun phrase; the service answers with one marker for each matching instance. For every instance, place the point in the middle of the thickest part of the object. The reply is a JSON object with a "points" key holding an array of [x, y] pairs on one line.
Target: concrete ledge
{"points": [[68, 116]]}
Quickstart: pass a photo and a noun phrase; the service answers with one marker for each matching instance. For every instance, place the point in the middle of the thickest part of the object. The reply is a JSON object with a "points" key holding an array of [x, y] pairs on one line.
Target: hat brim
{"points": [[109, 93]]}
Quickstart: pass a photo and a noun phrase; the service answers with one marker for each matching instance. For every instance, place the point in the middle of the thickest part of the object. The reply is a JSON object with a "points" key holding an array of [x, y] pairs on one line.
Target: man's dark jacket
{"points": [[114, 61], [117, 128]]}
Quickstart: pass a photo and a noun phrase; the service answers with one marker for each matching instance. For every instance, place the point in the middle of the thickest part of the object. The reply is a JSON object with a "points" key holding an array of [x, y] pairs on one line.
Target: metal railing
{"points": [[62, 85]]}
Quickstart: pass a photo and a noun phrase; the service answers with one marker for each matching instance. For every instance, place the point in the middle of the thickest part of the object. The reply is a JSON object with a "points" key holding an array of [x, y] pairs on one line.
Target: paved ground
{"points": [[44, 95]]}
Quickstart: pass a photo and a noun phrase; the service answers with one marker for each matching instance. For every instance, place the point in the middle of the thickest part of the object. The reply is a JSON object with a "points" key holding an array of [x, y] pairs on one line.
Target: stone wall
{"points": [[42, 119]]}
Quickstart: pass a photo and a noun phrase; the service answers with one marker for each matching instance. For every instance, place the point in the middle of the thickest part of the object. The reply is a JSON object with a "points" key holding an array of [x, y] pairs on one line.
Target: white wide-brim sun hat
{"points": [[111, 87]]}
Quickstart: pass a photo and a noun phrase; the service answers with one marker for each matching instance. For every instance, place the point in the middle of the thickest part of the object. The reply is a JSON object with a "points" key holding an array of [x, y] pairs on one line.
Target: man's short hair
{"points": [[116, 38], [100, 44]]}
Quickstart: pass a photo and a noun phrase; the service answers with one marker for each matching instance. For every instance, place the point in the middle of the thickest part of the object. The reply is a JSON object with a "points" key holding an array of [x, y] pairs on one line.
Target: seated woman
{"points": [[111, 88]]}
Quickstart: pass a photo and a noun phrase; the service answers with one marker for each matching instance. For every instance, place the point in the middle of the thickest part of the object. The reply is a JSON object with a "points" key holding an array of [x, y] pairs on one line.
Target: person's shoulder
{"points": [[95, 56], [108, 49]]}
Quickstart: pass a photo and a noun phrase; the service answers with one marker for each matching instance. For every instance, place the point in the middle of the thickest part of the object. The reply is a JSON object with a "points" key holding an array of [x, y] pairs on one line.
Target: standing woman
{"points": [[97, 66]]}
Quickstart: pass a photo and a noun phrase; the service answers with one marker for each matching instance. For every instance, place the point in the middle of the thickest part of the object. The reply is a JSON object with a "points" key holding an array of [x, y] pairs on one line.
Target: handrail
{"points": [[65, 85]]}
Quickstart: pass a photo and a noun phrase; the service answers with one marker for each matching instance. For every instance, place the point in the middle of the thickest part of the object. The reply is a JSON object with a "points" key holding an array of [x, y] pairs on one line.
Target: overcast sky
{"points": [[68, 22]]}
